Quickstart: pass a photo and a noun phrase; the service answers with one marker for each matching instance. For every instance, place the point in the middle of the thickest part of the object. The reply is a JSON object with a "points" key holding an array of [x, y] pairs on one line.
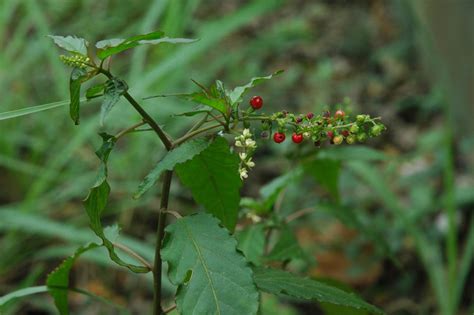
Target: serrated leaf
{"points": [[326, 173], [114, 46], [354, 152], [284, 283], [214, 181], [96, 202], [71, 43], [252, 243], [286, 248], [114, 88], [58, 280], [95, 91], [77, 77], [208, 100], [181, 154], [235, 95], [213, 278]]}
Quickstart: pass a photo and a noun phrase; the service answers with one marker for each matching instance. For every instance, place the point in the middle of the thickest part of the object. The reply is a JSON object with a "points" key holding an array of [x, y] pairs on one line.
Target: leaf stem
{"points": [[131, 253], [165, 192], [129, 129], [194, 133]]}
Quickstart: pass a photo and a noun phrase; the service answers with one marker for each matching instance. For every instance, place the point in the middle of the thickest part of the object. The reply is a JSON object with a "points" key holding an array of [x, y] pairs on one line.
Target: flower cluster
{"points": [[247, 146], [77, 61]]}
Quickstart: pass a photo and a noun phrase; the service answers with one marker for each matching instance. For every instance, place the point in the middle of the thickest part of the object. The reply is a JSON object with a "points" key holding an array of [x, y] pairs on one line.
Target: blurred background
{"points": [[400, 233]]}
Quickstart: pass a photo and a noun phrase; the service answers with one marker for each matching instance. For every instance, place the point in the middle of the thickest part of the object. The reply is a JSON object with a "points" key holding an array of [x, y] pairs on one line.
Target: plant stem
{"points": [[165, 192], [194, 133], [131, 253], [129, 129]]}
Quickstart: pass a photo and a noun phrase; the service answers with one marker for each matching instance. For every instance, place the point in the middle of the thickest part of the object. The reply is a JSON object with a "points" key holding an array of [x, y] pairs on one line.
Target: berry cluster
{"points": [[76, 61], [317, 128]]}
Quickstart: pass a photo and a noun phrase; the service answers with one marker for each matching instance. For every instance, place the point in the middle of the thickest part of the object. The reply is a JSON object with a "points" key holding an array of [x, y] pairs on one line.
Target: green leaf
{"points": [[284, 283], [252, 242], [114, 46], [181, 154], [325, 172], [208, 100], [77, 77], [194, 112], [214, 181], [95, 91], [58, 280], [114, 88], [353, 152], [71, 43], [213, 278], [287, 247], [31, 110], [236, 95], [96, 202], [21, 293]]}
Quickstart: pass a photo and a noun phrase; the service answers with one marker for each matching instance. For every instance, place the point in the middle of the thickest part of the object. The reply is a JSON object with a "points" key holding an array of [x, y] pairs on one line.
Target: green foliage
{"points": [[114, 46], [72, 44], [96, 202], [21, 293], [95, 91], [284, 283], [179, 155], [213, 277], [252, 243], [218, 184], [209, 100], [287, 247], [58, 280], [78, 76], [325, 172], [236, 94], [114, 88]]}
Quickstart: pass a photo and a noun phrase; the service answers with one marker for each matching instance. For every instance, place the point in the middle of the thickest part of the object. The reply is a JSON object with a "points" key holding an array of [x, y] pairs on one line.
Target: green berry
{"points": [[376, 130], [338, 139], [351, 139], [361, 118], [361, 137], [354, 129]]}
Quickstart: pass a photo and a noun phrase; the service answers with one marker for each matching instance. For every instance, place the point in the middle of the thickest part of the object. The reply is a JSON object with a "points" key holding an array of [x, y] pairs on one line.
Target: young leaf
{"points": [[284, 283], [181, 154], [287, 247], [325, 172], [71, 43], [58, 280], [77, 77], [214, 181], [208, 100], [114, 46], [114, 88], [97, 200], [252, 242], [95, 91], [236, 94], [213, 278]]}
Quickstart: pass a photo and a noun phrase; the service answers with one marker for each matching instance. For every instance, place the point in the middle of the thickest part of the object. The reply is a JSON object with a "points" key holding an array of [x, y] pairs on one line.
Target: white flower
{"points": [[238, 143], [250, 143], [255, 218], [243, 173], [250, 163], [243, 155], [246, 133]]}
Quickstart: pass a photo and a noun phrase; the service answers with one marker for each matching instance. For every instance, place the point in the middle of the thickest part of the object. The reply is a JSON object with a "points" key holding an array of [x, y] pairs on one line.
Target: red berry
{"points": [[297, 137], [299, 120], [279, 137], [256, 102], [339, 114], [309, 115], [345, 133], [330, 134]]}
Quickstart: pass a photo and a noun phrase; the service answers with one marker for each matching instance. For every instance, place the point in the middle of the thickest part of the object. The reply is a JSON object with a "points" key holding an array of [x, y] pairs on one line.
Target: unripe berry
{"points": [[345, 133], [338, 139], [256, 102], [361, 137], [339, 114], [376, 130], [297, 137], [309, 115], [327, 114], [299, 120], [354, 129], [361, 118], [330, 134], [351, 139], [264, 134], [279, 137], [307, 135]]}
